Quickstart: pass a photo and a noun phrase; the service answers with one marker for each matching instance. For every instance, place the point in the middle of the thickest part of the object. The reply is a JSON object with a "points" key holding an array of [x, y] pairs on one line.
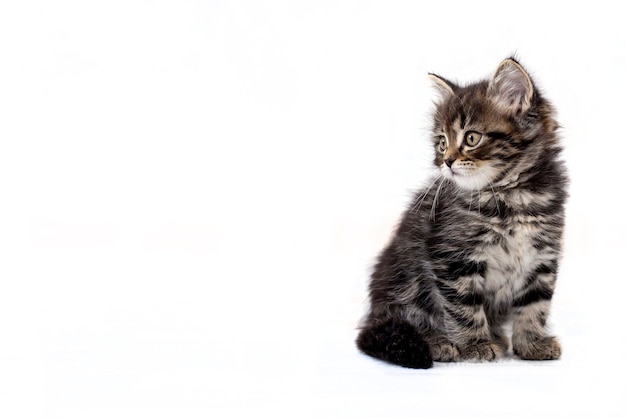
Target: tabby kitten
{"points": [[481, 245]]}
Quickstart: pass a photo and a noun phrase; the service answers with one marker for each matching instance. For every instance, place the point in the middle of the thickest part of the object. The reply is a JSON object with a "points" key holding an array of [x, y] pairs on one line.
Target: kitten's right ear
{"points": [[444, 87]]}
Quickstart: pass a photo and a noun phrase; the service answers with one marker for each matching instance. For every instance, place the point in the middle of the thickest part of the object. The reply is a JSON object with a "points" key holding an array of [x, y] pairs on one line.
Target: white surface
{"points": [[193, 193]]}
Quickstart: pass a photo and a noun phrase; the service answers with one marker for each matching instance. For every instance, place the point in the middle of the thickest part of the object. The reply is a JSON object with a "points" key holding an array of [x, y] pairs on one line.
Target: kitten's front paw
{"points": [[484, 351], [444, 352], [546, 348], [441, 349]]}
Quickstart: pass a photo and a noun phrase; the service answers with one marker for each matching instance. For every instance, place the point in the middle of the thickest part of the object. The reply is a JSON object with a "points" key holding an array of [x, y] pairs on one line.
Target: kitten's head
{"points": [[488, 133]]}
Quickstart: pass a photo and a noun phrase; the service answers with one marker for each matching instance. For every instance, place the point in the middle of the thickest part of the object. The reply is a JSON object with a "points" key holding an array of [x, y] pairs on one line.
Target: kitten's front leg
{"points": [[531, 340], [441, 348], [469, 329], [466, 322]]}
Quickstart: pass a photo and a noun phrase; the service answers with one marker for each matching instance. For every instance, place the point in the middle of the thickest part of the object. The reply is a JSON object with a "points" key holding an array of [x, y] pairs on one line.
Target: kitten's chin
{"points": [[476, 179]]}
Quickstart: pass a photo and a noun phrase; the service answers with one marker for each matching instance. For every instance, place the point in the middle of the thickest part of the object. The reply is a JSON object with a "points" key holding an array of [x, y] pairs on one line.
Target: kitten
{"points": [[481, 245]]}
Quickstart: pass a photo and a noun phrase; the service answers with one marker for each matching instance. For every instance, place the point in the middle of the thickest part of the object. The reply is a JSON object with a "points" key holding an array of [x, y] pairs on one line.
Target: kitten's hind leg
{"points": [[395, 341]]}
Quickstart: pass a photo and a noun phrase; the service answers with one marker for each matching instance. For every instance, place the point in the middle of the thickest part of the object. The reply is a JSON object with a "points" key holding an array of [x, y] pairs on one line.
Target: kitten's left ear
{"points": [[511, 87], [444, 87]]}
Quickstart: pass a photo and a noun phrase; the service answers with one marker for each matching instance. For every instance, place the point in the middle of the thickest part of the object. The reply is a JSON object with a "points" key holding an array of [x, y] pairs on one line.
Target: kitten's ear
{"points": [[444, 87], [511, 87]]}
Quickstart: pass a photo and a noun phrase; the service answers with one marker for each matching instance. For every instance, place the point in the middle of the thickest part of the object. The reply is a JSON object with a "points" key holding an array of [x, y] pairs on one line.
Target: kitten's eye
{"points": [[473, 138], [443, 144]]}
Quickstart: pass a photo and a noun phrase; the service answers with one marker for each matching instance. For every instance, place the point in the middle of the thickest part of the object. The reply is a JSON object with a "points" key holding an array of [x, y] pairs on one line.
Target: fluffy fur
{"points": [[479, 246]]}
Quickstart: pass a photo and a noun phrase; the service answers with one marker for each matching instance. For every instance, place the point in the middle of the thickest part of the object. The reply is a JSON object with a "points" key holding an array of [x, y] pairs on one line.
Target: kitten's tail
{"points": [[396, 342]]}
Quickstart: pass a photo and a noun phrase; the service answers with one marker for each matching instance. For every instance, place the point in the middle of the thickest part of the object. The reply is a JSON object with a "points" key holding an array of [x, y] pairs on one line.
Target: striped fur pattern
{"points": [[479, 247]]}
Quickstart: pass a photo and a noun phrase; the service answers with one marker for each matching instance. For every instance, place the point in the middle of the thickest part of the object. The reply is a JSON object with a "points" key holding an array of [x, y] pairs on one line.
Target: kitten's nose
{"points": [[449, 161]]}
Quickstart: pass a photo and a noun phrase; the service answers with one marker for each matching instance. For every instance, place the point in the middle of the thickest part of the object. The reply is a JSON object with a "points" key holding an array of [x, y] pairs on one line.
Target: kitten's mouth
{"points": [[473, 178], [460, 172]]}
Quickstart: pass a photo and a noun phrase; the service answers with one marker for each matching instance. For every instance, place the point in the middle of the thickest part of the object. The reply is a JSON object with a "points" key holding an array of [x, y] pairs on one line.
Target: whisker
{"points": [[418, 204], [435, 199], [493, 192]]}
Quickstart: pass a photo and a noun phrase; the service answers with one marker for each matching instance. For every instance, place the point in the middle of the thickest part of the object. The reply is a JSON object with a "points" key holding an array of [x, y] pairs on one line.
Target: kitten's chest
{"points": [[510, 253]]}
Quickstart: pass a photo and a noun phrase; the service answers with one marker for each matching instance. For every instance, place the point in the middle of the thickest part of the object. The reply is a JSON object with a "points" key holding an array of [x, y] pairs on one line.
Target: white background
{"points": [[193, 193]]}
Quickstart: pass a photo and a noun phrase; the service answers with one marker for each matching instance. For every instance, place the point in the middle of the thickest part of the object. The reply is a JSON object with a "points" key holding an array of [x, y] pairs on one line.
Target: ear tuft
{"points": [[444, 87], [511, 87]]}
